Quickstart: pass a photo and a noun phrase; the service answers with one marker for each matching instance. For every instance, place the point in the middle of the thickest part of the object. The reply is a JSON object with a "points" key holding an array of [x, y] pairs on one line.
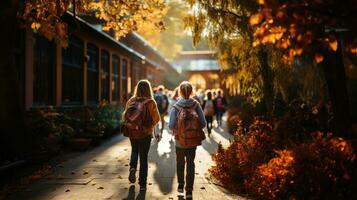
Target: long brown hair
{"points": [[143, 89], [185, 89]]}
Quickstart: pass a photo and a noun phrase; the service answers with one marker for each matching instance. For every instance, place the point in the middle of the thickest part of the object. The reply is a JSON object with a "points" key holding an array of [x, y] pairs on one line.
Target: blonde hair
{"points": [[185, 89], [143, 89]]}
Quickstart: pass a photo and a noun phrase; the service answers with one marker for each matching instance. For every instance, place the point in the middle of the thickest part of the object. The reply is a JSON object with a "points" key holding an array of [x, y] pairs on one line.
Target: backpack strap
{"points": [[147, 101], [180, 107]]}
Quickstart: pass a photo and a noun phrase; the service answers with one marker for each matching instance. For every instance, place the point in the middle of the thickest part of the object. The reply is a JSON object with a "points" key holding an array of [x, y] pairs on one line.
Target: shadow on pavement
{"points": [[131, 194], [163, 155], [141, 195]]}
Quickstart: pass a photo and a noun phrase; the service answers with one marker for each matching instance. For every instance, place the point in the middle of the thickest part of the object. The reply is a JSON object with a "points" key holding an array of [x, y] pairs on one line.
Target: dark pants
{"points": [[209, 120], [162, 115], [219, 115], [140, 149], [186, 157]]}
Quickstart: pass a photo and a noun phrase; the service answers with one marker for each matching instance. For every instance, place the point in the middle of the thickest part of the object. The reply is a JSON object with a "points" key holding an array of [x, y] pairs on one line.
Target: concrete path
{"points": [[102, 173]]}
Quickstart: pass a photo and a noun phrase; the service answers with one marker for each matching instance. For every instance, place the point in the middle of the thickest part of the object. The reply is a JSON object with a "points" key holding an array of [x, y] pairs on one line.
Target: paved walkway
{"points": [[102, 173]]}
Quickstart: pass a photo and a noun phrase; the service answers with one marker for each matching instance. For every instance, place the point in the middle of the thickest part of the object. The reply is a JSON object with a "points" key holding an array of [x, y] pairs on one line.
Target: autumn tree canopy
{"points": [[121, 16], [309, 26], [167, 41], [227, 22]]}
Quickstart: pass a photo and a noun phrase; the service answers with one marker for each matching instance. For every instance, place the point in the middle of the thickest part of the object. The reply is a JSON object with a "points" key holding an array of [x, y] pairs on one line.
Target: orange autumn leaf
{"points": [[353, 50], [319, 58], [261, 2], [35, 25], [333, 45], [255, 19]]}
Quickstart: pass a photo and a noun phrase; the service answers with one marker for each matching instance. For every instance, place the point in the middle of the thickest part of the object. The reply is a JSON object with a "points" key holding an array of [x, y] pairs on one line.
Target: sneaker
{"points": [[180, 188], [142, 187], [188, 195], [132, 175]]}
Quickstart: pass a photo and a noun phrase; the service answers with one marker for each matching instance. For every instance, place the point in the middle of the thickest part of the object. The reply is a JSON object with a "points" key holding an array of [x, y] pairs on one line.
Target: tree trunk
{"points": [[335, 76], [12, 123], [266, 73]]}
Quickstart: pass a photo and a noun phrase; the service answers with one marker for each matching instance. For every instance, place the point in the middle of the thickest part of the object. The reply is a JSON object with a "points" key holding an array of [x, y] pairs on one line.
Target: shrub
{"points": [[243, 155], [109, 116], [319, 167], [323, 168]]}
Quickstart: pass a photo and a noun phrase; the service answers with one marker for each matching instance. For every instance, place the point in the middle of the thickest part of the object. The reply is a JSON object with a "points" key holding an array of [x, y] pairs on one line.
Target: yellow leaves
{"points": [[261, 2], [255, 19], [35, 25], [118, 15], [318, 58], [333, 45]]}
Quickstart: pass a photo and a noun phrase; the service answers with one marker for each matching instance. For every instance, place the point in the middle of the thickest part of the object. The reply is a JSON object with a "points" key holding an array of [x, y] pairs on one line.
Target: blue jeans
{"points": [[140, 149], [219, 114]]}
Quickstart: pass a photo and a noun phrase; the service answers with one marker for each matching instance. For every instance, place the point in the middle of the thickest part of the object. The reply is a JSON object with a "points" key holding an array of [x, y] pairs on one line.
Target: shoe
{"points": [[180, 188], [188, 195], [132, 175], [142, 187]]}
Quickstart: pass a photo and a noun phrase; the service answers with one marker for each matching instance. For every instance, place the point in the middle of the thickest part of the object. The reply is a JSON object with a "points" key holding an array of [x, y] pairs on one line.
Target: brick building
{"points": [[95, 67]]}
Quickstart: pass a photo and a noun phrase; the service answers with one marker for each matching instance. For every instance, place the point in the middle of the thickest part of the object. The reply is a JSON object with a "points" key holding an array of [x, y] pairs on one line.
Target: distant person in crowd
{"points": [[187, 121], [200, 96], [174, 97], [220, 105], [214, 94], [209, 111], [162, 103], [140, 117]]}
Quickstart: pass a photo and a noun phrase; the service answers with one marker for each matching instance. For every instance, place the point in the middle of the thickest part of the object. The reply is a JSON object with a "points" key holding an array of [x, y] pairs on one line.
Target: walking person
{"points": [[208, 110], [163, 104], [220, 105], [140, 117], [187, 121]]}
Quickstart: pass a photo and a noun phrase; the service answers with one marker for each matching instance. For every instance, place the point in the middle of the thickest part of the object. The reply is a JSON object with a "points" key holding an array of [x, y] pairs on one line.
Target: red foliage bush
{"points": [[243, 155], [322, 167]]}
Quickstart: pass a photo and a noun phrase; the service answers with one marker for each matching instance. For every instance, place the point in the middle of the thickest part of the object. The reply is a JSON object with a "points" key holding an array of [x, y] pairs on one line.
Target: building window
{"points": [[105, 75], [115, 78], [92, 74], [124, 78], [43, 74], [72, 72]]}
